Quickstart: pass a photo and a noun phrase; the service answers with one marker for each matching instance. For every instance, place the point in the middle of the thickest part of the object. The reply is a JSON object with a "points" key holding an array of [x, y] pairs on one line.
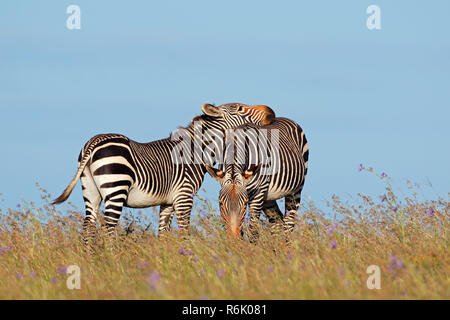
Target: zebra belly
{"points": [[141, 199], [275, 194], [281, 186]]}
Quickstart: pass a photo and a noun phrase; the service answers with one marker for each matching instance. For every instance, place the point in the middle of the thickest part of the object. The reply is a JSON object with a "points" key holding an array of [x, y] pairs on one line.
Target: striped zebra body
{"points": [[123, 172], [257, 172]]}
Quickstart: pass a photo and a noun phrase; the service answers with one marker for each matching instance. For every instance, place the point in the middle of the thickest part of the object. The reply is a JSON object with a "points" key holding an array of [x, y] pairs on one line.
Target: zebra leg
{"points": [[275, 217], [92, 200], [255, 208], [183, 207], [114, 203], [165, 218], [292, 204]]}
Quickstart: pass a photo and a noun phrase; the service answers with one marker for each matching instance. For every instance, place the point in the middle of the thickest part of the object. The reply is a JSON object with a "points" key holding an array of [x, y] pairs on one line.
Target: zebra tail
{"points": [[66, 193]]}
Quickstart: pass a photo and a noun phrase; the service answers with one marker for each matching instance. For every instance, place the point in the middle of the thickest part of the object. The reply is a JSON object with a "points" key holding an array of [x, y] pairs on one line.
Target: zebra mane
{"points": [[202, 117]]}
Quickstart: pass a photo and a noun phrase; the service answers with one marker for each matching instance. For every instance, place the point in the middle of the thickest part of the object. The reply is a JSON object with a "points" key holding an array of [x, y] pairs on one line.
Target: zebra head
{"points": [[236, 114], [233, 196]]}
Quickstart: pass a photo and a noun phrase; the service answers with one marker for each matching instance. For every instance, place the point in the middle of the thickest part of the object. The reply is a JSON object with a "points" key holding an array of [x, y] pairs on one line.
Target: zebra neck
{"points": [[202, 139]]}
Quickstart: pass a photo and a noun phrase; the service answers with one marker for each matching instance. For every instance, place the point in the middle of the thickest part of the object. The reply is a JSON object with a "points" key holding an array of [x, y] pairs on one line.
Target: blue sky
{"points": [[377, 97]]}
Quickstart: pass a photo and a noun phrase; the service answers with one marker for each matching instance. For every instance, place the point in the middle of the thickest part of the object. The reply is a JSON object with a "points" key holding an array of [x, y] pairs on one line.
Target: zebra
{"points": [[258, 173], [125, 173]]}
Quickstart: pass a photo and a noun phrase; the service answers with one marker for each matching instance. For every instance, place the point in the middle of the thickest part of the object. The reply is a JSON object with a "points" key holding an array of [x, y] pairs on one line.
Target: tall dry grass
{"points": [[327, 259]]}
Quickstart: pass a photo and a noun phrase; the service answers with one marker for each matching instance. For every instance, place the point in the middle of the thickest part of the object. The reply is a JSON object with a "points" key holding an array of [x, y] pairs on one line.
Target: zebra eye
{"points": [[240, 109]]}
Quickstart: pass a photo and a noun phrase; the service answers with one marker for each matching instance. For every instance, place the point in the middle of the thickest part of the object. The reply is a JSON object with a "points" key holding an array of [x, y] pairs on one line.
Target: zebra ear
{"points": [[269, 116], [215, 173], [250, 172], [211, 110]]}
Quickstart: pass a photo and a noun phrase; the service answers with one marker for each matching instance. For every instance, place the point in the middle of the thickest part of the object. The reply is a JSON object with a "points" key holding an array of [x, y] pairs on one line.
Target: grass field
{"points": [[327, 259]]}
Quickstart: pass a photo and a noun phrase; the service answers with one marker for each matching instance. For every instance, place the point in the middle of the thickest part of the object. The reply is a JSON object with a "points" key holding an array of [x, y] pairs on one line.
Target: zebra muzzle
{"points": [[235, 232], [234, 229]]}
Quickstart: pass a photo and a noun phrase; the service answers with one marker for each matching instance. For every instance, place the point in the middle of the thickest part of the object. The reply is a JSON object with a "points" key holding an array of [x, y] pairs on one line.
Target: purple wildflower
{"points": [[18, 205], [33, 274], [153, 280], [142, 265], [384, 175], [392, 258], [185, 252], [270, 269], [19, 275], [62, 270], [330, 229], [3, 250], [54, 280], [220, 272], [383, 198], [333, 244], [195, 259], [395, 263], [290, 256], [431, 212], [399, 264], [361, 167]]}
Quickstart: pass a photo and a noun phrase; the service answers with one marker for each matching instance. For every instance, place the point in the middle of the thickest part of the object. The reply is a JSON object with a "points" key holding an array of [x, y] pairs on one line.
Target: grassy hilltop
{"points": [[327, 259]]}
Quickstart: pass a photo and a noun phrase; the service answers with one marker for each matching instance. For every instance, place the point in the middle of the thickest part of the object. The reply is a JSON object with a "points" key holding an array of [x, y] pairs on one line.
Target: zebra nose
{"points": [[235, 232]]}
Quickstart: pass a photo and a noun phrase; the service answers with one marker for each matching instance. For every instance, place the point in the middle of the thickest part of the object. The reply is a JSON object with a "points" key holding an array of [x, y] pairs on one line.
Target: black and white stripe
{"points": [[257, 173], [123, 172]]}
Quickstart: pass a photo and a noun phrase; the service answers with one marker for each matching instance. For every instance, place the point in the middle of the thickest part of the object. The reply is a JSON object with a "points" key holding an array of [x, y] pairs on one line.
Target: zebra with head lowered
{"points": [[261, 165], [122, 172]]}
